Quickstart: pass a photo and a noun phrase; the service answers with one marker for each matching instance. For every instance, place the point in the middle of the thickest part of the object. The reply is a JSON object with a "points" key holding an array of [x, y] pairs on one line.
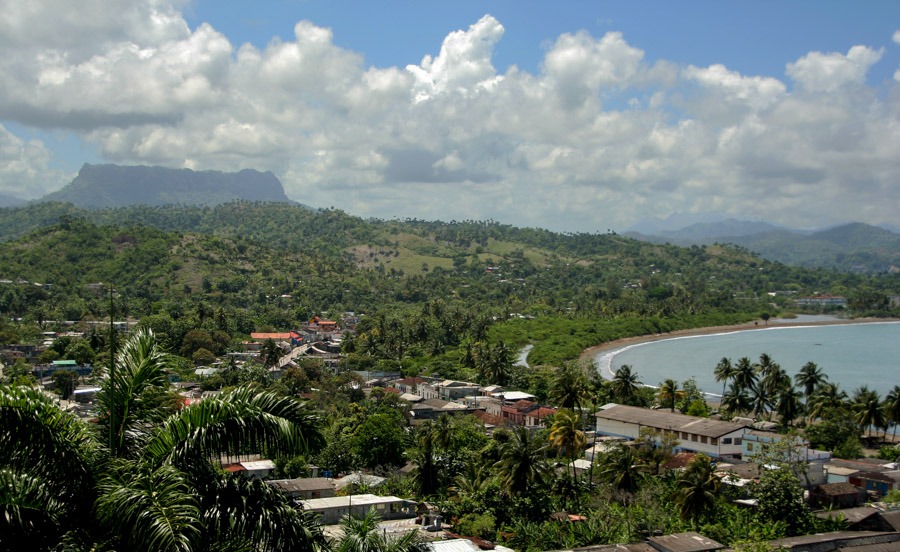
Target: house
{"points": [[331, 510], [879, 482], [840, 540], [715, 438], [358, 480], [305, 488], [756, 441], [684, 542], [448, 390], [821, 301], [317, 324], [429, 409], [836, 495], [517, 411], [536, 417], [257, 469], [408, 385]]}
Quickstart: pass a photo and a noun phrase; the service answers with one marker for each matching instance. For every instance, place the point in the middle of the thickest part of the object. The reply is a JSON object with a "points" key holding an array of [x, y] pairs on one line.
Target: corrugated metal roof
{"points": [[345, 501], [668, 420], [453, 545]]}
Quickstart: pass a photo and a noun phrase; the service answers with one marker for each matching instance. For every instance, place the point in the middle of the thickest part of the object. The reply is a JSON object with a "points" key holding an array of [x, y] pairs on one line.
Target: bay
{"points": [[851, 355]]}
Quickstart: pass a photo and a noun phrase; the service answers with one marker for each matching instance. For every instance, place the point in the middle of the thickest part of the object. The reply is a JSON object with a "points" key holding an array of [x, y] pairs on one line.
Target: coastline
{"points": [[588, 354]]}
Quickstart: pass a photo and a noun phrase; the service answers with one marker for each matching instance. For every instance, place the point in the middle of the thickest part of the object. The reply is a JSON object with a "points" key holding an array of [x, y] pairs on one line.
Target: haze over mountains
{"points": [[853, 246]]}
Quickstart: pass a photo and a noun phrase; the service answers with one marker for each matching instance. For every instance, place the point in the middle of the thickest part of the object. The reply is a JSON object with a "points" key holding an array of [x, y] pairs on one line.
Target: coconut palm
{"points": [[736, 400], [620, 468], [569, 387], [867, 409], [827, 397], [624, 384], [566, 435], [426, 471], [789, 406], [766, 369], [723, 372], [364, 535], [762, 402], [697, 487], [810, 377], [744, 377], [669, 393], [522, 465], [892, 408]]}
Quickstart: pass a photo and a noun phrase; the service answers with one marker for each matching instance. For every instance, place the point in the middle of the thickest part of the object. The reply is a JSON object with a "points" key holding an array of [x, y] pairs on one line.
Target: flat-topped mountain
{"points": [[117, 186]]}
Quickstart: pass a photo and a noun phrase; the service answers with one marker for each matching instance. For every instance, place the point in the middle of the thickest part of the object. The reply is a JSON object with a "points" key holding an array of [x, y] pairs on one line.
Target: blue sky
{"points": [[577, 116], [756, 37]]}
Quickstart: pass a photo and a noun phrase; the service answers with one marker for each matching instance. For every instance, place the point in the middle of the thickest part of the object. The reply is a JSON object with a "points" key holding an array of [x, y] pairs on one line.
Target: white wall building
{"points": [[715, 438]]}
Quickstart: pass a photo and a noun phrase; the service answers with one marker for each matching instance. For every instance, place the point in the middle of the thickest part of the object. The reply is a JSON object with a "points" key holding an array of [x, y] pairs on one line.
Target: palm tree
{"points": [[522, 465], [364, 535], [423, 456], [867, 408], [669, 393], [827, 397], [789, 406], [809, 378], [892, 408], [766, 368], [567, 438], [45, 471], [744, 377], [620, 468], [624, 384], [569, 387], [697, 488], [723, 372], [736, 401], [151, 485], [775, 381], [761, 401]]}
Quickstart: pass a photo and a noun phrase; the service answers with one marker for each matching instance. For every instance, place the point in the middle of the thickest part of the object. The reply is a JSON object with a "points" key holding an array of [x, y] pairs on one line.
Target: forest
{"points": [[449, 300]]}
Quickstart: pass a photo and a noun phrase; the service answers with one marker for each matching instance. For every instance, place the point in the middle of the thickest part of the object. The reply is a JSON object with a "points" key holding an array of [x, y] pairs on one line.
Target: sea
{"points": [[851, 355]]}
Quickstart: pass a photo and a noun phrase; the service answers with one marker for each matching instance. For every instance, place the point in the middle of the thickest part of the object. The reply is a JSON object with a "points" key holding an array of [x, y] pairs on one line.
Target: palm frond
{"points": [[257, 514], [238, 421], [149, 509]]}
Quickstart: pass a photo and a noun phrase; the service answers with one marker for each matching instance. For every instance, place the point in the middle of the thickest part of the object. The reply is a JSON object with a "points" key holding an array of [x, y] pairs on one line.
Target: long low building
{"points": [[333, 509], [715, 438]]}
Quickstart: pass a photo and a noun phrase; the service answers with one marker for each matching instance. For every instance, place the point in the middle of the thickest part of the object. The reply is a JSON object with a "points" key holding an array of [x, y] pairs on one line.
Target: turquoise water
{"points": [[851, 355]]}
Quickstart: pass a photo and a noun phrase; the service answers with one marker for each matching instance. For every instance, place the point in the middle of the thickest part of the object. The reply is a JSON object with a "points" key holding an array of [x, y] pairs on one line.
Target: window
{"points": [[726, 441], [749, 447], [713, 441], [737, 440], [703, 439]]}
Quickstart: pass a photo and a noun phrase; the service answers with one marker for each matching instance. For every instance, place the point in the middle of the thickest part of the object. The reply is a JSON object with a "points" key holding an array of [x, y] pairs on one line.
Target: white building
{"points": [[715, 438]]}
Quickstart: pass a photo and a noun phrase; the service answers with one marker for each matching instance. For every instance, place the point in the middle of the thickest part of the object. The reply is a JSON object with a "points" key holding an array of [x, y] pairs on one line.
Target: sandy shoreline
{"points": [[588, 354]]}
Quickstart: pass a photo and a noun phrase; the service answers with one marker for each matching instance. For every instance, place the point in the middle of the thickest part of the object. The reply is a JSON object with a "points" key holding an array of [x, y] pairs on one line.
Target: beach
{"points": [[590, 353]]}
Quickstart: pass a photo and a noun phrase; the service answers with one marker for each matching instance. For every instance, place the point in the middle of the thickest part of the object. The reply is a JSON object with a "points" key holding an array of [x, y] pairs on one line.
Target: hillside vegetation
{"points": [[240, 267]]}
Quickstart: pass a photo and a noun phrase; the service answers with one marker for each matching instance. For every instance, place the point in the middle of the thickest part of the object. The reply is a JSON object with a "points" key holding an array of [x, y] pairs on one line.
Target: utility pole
{"points": [[112, 375]]}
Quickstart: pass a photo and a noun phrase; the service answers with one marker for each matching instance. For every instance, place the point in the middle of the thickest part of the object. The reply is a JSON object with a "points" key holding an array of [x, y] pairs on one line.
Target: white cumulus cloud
{"points": [[595, 139]]}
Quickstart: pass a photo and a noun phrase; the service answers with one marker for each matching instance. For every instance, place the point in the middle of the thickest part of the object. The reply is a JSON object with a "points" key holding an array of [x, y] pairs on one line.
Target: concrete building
{"points": [[333, 509], [715, 438]]}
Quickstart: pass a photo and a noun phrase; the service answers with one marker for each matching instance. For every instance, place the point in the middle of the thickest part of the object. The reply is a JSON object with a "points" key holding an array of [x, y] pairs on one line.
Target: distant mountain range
{"points": [[107, 186], [853, 247], [10, 201]]}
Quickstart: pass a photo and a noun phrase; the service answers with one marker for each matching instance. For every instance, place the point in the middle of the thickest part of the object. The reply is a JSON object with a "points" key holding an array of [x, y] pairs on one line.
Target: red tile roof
{"points": [[274, 336]]}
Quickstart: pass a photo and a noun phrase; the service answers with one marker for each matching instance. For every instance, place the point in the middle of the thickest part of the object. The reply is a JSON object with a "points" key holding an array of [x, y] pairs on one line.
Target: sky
{"points": [[578, 116]]}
